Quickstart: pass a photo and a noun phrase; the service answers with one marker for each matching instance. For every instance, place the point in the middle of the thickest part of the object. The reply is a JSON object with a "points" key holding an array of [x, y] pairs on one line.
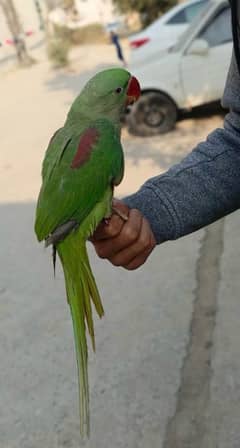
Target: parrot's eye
{"points": [[119, 90]]}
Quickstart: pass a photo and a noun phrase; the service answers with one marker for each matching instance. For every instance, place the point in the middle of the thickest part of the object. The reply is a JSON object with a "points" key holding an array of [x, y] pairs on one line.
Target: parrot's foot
{"points": [[121, 215], [61, 232], [115, 211]]}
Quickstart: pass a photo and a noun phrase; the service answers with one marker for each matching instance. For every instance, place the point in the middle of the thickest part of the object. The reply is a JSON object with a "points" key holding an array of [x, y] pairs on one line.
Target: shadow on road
{"points": [[140, 343], [205, 111]]}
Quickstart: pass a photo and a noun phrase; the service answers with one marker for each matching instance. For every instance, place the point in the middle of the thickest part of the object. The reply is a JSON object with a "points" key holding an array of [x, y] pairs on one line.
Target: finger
{"points": [[142, 246], [128, 235], [139, 260], [114, 225], [142, 258], [108, 230], [119, 205]]}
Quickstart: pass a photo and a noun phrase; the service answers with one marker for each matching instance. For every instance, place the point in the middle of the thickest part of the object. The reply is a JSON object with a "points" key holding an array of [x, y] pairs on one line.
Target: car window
{"points": [[178, 19], [219, 31], [187, 14], [193, 10]]}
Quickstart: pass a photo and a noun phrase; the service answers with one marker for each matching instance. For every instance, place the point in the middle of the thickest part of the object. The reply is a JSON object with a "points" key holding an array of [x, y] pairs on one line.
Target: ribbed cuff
{"points": [[155, 211]]}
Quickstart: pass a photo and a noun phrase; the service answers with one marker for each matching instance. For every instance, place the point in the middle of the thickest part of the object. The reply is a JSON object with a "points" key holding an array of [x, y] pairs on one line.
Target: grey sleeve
{"points": [[204, 186]]}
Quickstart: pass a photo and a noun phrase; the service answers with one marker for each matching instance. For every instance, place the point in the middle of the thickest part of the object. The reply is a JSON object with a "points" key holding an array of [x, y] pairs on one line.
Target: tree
{"points": [[149, 9], [16, 30], [57, 36]]}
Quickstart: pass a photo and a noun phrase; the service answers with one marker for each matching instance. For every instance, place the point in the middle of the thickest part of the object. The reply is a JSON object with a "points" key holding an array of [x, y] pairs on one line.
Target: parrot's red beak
{"points": [[133, 91]]}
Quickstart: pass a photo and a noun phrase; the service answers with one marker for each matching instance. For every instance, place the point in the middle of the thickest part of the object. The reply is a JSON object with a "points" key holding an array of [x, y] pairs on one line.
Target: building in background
{"points": [[93, 11], [88, 12]]}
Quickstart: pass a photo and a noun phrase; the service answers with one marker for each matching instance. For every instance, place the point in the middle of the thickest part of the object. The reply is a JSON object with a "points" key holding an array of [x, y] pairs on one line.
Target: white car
{"points": [[165, 31], [190, 74]]}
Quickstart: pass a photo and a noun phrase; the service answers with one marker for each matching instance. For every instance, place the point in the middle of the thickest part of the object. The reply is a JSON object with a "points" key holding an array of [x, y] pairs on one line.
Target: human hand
{"points": [[124, 243]]}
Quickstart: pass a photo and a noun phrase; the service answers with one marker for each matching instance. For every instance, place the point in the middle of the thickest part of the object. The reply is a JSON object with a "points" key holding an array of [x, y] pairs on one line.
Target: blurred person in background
{"points": [[202, 188], [115, 41]]}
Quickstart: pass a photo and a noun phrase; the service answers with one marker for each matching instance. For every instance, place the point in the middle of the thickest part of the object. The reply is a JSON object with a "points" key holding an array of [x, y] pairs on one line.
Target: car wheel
{"points": [[154, 113]]}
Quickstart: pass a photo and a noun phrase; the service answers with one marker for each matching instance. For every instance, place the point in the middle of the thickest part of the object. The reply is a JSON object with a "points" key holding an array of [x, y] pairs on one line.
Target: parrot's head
{"points": [[107, 94]]}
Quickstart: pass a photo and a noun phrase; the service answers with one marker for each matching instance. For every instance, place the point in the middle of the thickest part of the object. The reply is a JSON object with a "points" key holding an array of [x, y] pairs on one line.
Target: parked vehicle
{"points": [[165, 31], [190, 74]]}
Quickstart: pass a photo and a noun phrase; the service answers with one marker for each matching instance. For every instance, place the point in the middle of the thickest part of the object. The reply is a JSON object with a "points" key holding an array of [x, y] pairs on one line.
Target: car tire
{"points": [[154, 113]]}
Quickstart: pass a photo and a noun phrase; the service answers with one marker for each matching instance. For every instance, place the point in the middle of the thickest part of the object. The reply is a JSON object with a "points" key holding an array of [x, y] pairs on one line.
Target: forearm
{"points": [[202, 188], [199, 190]]}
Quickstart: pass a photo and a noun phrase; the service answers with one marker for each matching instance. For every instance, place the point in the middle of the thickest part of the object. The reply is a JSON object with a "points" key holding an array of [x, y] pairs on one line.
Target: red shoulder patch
{"points": [[87, 141]]}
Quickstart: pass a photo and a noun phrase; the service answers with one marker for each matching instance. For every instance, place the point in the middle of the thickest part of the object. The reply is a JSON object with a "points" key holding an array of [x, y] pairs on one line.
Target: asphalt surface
{"points": [[166, 371]]}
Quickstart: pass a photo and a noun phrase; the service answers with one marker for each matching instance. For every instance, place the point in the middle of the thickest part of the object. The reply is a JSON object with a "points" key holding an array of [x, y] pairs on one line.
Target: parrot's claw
{"points": [[121, 215]]}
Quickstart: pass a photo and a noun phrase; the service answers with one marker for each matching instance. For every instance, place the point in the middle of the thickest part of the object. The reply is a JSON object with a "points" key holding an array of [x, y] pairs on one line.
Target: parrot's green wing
{"points": [[76, 173], [56, 146]]}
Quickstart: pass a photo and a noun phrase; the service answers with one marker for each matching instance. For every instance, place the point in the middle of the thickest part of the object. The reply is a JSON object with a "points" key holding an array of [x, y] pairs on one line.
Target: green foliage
{"points": [[148, 9], [62, 39], [57, 52], [93, 33], [58, 47]]}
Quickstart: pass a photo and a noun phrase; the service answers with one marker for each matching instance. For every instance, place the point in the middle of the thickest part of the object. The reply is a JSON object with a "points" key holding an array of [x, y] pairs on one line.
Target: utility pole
{"points": [[39, 13], [16, 30]]}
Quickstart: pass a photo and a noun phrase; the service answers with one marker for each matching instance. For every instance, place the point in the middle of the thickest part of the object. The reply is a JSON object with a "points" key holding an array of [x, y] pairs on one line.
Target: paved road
{"points": [[166, 371]]}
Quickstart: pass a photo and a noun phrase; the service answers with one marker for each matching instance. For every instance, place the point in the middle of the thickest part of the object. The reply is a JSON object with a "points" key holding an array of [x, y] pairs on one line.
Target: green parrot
{"points": [[83, 162]]}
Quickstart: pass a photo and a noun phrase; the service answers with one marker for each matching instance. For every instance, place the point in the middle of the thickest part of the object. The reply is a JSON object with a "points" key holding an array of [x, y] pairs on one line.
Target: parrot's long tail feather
{"points": [[81, 289]]}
